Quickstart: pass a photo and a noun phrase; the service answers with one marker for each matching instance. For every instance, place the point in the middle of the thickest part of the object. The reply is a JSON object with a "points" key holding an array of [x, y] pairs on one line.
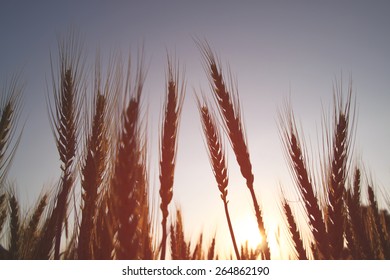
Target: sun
{"points": [[246, 230]]}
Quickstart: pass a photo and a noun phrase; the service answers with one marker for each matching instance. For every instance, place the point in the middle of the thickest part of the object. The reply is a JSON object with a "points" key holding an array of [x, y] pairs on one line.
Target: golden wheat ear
{"points": [[217, 160], [168, 144]]}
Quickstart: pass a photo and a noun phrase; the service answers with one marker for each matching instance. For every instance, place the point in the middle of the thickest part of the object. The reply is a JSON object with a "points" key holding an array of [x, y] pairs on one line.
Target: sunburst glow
{"points": [[247, 231]]}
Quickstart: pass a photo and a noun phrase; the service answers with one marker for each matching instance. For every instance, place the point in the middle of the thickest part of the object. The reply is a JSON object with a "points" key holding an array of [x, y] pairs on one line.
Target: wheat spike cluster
{"points": [[104, 150]]}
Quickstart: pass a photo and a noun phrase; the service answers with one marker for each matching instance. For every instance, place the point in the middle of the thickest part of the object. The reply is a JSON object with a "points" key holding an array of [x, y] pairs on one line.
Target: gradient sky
{"points": [[275, 49]]}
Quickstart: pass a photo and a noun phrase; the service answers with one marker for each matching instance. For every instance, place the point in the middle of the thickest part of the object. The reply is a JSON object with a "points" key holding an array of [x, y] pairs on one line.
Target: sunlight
{"points": [[246, 230]]}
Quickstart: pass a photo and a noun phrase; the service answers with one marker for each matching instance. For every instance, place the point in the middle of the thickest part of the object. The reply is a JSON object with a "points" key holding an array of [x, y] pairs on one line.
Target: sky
{"points": [[274, 49]]}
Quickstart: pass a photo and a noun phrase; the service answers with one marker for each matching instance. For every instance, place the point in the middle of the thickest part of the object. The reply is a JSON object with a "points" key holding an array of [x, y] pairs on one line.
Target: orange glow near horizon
{"points": [[246, 230]]}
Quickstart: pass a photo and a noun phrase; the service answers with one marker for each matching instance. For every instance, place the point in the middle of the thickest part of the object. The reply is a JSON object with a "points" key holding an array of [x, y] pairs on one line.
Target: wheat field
{"points": [[102, 144]]}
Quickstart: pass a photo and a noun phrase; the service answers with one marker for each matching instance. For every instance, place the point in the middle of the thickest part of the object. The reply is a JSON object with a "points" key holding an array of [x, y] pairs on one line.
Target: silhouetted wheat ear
{"points": [[211, 250], [45, 238], [197, 254], [249, 253], [218, 162], [3, 211], [146, 227], [229, 109], [103, 233], [168, 144], [296, 239], [339, 156], [14, 227], [93, 172], [180, 249], [65, 116], [377, 226], [10, 106], [359, 244], [124, 183], [31, 229], [33, 224], [303, 181], [128, 182]]}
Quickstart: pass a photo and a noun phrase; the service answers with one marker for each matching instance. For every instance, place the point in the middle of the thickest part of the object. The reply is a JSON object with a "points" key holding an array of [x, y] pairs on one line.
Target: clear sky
{"points": [[275, 49]]}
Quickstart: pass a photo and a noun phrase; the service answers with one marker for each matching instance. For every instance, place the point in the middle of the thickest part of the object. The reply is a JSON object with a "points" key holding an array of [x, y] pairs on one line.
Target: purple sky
{"points": [[275, 49]]}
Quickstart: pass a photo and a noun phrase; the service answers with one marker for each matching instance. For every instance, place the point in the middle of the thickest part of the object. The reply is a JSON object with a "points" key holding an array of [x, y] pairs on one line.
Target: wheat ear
{"points": [[31, 230], [126, 182], [297, 242], [377, 226], [180, 249], [229, 108], [14, 227], [94, 168], [298, 166], [168, 145], [218, 162], [211, 250], [103, 233], [338, 173], [360, 240], [10, 107], [3, 211], [65, 118]]}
